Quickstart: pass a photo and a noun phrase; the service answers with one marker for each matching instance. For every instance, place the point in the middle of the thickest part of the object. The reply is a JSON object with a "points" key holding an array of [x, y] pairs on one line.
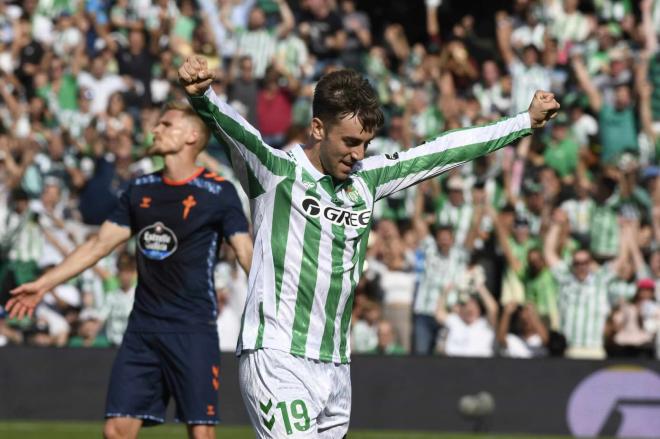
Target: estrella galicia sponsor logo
{"points": [[157, 242], [336, 215], [394, 156], [621, 401]]}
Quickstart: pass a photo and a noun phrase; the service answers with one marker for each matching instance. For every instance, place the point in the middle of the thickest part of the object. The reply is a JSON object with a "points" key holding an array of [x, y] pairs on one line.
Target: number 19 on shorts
{"points": [[293, 415]]}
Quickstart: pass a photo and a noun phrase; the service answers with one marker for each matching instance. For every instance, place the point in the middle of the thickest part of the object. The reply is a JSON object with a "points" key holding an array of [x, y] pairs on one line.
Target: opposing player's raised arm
{"points": [[387, 174], [257, 165], [27, 296]]}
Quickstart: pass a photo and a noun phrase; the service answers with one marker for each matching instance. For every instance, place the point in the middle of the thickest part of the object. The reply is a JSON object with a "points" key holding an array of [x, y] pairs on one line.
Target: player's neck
{"points": [[312, 151], [178, 167]]}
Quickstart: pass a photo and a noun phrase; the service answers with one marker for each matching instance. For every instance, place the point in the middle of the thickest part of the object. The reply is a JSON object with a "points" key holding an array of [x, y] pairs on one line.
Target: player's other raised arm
{"points": [[27, 296], [248, 151], [387, 174]]}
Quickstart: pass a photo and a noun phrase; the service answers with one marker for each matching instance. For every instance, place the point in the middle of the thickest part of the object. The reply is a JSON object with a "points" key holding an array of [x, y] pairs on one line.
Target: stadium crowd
{"points": [[547, 247]]}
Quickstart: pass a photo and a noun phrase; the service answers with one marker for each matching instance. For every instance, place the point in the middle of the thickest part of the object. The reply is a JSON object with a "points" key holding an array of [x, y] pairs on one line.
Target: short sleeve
{"points": [[233, 219], [122, 213]]}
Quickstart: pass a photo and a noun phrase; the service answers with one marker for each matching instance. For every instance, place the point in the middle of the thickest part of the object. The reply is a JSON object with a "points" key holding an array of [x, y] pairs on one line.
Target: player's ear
{"points": [[318, 129], [193, 136]]}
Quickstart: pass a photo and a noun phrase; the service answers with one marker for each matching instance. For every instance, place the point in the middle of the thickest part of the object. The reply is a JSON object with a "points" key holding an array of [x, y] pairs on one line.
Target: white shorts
{"points": [[295, 397]]}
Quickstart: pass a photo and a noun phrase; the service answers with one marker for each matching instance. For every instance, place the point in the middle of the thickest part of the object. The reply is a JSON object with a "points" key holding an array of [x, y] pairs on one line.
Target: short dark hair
{"points": [[346, 93], [439, 228]]}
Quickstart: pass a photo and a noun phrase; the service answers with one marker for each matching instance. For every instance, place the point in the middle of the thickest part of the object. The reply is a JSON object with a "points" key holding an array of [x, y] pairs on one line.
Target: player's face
{"points": [[343, 145], [170, 134]]}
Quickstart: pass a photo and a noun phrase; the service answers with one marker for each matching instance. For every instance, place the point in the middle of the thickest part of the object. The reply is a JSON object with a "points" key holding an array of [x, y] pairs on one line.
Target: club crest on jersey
{"points": [[336, 215], [157, 242], [352, 194]]}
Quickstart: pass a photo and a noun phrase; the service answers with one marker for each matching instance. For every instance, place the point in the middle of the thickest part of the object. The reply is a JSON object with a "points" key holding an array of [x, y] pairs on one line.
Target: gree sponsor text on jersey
{"points": [[336, 215]]}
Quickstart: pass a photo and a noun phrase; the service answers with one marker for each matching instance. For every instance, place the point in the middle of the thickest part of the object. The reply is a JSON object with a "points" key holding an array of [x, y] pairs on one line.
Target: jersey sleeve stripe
{"points": [[234, 130], [386, 176]]}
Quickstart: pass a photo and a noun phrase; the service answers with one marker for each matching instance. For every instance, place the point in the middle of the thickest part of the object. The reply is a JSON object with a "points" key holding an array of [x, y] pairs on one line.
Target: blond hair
{"points": [[190, 114]]}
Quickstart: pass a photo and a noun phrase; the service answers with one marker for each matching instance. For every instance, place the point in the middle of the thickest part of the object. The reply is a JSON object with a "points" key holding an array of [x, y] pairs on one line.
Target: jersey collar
{"points": [[196, 174], [300, 156]]}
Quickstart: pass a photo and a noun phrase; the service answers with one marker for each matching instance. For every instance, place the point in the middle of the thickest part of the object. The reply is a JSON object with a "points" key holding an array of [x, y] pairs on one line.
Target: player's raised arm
{"points": [[387, 174], [248, 151], [27, 296]]}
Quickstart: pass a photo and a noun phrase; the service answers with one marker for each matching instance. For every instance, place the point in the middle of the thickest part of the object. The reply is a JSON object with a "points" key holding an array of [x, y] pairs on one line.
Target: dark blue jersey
{"points": [[178, 226]]}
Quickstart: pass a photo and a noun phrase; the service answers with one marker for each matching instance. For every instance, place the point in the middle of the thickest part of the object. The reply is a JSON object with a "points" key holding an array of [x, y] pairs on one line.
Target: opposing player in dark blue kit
{"points": [[171, 347]]}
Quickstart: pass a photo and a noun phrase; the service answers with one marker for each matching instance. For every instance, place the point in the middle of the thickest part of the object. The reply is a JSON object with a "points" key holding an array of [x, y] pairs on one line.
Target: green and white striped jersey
{"points": [[439, 271], [583, 306], [310, 235]]}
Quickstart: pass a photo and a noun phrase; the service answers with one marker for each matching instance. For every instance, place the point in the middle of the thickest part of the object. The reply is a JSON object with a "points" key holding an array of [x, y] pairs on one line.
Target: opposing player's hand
{"points": [[543, 108], [25, 299], [194, 75]]}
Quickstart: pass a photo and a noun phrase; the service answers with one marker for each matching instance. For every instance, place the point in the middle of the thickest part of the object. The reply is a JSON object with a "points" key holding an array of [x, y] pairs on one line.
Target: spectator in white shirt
{"points": [[470, 326]]}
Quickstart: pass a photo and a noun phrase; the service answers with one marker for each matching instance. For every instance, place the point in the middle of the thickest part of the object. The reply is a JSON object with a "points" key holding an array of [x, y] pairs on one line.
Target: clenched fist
{"points": [[543, 108], [195, 76]]}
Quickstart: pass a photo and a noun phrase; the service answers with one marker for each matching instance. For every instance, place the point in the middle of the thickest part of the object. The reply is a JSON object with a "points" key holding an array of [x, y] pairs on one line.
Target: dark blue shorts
{"points": [[151, 367]]}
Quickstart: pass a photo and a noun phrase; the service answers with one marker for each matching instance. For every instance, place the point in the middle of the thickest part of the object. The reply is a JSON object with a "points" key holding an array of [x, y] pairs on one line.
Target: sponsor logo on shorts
{"points": [[265, 409], [394, 156], [336, 215], [157, 242]]}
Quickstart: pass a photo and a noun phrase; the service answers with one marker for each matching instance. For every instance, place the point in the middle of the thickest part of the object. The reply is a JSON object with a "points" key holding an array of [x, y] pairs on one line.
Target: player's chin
{"points": [[341, 173], [155, 150]]}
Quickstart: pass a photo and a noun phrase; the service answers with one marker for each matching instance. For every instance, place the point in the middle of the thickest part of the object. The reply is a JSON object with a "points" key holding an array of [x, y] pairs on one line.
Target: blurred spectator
{"points": [[111, 174], [470, 326], [387, 343], [231, 289], [357, 27], [322, 28], [583, 299], [101, 83], [521, 334], [274, 105], [526, 73], [515, 242], [58, 312], [541, 289], [617, 121], [633, 325], [397, 281], [117, 305], [443, 261], [244, 90], [491, 91], [364, 333], [259, 43], [21, 241], [560, 149], [454, 210]]}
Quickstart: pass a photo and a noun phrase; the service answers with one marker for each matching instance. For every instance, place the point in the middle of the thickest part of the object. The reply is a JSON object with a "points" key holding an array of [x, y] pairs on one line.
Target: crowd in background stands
{"points": [[546, 248]]}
